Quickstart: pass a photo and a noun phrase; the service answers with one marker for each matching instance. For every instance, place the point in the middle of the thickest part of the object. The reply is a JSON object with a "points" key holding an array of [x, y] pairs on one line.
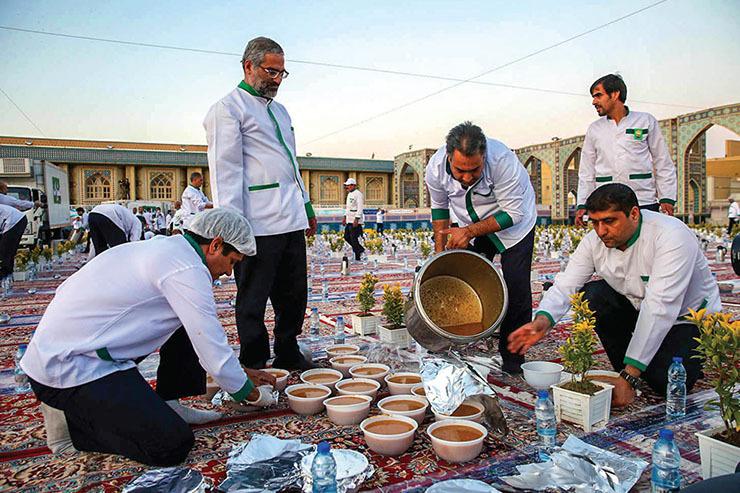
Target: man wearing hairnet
{"points": [[122, 306]]}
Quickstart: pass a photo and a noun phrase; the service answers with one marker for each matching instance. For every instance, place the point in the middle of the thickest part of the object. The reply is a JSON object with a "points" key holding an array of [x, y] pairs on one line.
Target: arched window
{"points": [[97, 187], [329, 189], [374, 189], [160, 186]]}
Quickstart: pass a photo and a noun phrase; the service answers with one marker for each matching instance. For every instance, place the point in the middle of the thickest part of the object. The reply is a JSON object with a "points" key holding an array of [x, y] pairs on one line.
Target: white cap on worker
{"points": [[229, 225], [350, 181]]}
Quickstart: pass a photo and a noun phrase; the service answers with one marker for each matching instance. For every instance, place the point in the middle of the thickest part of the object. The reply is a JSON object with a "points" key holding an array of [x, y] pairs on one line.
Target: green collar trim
{"points": [[191, 185], [447, 165], [637, 233], [197, 248], [475, 218], [251, 90]]}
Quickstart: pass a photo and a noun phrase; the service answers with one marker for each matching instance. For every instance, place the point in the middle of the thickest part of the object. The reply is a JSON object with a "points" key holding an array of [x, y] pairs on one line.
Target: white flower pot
{"points": [[20, 275], [554, 254], [373, 257], [534, 275], [586, 411], [400, 336], [365, 325], [717, 457]]}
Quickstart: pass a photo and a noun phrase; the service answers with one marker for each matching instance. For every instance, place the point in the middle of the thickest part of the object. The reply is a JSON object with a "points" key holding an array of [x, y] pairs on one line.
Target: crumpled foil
{"points": [[449, 379], [169, 480], [582, 468], [396, 358], [264, 465], [222, 398], [353, 469]]}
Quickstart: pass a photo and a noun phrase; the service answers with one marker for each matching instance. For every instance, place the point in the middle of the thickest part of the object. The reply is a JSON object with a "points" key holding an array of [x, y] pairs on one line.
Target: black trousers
{"points": [[121, 414], [615, 323], [731, 224], [379, 228], [278, 271], [516, 264], [9, 242], [651, 207], [352, 234], [104, 233]]}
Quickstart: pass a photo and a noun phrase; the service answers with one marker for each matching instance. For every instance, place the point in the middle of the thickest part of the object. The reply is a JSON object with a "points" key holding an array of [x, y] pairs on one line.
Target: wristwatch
{"points": [[630, 379]]}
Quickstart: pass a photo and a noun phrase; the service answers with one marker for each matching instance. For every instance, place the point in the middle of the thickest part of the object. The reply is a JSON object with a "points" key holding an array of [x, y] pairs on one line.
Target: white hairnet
{"points": [[229, 225]]}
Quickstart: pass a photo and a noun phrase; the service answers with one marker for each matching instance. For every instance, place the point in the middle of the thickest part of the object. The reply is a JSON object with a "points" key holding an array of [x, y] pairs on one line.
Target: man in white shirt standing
{"points": [[652, 272], [625, 146], [490, 192], [254, 171], [379, 219], [193, 198], [82, 358], [112, 225], [354, 219], [159, 223], [733, 212], [12, 224]]}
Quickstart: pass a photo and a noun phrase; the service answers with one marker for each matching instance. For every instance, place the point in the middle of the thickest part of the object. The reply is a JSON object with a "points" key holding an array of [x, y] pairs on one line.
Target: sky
{"points": [[676, 57]]}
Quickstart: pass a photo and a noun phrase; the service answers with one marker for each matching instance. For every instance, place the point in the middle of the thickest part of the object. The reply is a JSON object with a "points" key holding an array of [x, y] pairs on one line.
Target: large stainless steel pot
{"points": [[481, 275]]}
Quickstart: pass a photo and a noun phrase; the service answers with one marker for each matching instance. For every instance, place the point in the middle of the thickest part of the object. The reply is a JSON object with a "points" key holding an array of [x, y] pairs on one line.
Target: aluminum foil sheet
{"points": [[582, 468], [222, 398], [449, 379], [169, 480], [264, 465], [353, 469]]}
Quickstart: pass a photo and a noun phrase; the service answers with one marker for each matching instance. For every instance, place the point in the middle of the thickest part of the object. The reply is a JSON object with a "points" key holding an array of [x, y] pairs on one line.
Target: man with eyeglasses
{"points": [[254, 171]]}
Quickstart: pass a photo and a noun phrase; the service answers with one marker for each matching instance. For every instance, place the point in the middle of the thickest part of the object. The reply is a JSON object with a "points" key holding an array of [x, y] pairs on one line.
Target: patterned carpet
{"points": [[27, 465]]}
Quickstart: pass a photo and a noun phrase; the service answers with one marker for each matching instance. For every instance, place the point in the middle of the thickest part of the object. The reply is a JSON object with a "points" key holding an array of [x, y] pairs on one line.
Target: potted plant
{"points": [[394, 329], [365, 323], [585, 402], [426, 250], [719, 348], [21, 262]]}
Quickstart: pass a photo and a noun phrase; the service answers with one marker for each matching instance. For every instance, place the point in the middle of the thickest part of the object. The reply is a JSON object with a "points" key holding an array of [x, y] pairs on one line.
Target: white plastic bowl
{"points": [[357, 371], [372, 391], [417, 414], [325, 375], [348, 414], [389, 444], [477, 417], [454, 451], [542, 374], [400, 388]]}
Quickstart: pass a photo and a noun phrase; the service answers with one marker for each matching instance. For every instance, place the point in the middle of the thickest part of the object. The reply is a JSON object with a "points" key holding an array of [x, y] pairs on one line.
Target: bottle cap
{"points": [[543, 394], [678, 358], [340, 319], [664, 434], [323, 447], [314, 309]]}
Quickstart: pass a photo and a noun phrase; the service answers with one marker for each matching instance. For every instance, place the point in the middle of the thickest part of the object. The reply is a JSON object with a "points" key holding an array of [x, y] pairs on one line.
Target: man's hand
{"points": [[356, 222], [623, 394], [459, 238], [666, 209], [579, 218], [38, 204], [209, 206], [528, 335], [344, 221], [313, 224], [260, 378]]}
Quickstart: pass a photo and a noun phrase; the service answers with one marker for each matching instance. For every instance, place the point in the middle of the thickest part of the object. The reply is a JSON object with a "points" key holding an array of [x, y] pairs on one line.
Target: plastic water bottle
{"points": [[339, 331], [5, 287], [21, 379], [309, 283], [676, 392], [405, 263], [544, 411], [324, 291], [322, 269], [324, 470], [666, 460], [314, 325], [375, 265]]}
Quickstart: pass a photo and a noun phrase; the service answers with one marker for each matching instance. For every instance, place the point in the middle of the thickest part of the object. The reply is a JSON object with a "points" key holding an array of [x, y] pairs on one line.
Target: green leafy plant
{"points": [[47, 253], [578, 350], [426, 249], [366, 294], [393, 305], [719, 348]]}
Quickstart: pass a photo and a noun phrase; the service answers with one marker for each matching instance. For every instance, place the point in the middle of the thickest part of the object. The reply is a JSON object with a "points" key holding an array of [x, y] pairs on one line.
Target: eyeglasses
{"points": [[274, 74]]}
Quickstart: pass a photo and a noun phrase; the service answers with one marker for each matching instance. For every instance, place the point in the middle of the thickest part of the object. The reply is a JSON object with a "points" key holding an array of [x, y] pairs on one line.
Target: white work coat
{"points": [[121, 217], [193, 201], [14, 202], [733, 211], [662, 272], [354, 207], [9, 217], [125, 304], [503, 191], [379, 217], [252, 162], [633, 153]]}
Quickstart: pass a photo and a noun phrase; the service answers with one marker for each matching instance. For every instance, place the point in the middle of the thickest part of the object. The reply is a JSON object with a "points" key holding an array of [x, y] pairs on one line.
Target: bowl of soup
{"points": [[373, 371], [307, 398], [389, 435], [281, 377], [419, 390], [401, 382], [348, 409], [341, 350], [362, 386], [467, 411], [322, 376], [344, 362], [457, 440], [406, 405]]}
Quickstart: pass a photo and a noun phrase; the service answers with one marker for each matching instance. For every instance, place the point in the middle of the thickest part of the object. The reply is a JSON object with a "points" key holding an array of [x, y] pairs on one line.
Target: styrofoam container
{"points": [[337, 375], [307, 405], [542, 374], [356, 371], [477, 417], [416, 414], [453, 451], [397, 388], [346, 361], [348, 414], [281, 377], [342, 349], [389, 444], [371, 392]]}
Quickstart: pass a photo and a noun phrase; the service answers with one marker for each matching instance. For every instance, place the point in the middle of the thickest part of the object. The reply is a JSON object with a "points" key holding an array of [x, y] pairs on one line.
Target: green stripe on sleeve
{"points": [[243, 392], [503, 219], [601, 179], [668, 201], [641, 176], [309, 210], [635, 363], [263, 187], [645, 278], [543, 312], [581, 207], [440, 214], [104, 354]]}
